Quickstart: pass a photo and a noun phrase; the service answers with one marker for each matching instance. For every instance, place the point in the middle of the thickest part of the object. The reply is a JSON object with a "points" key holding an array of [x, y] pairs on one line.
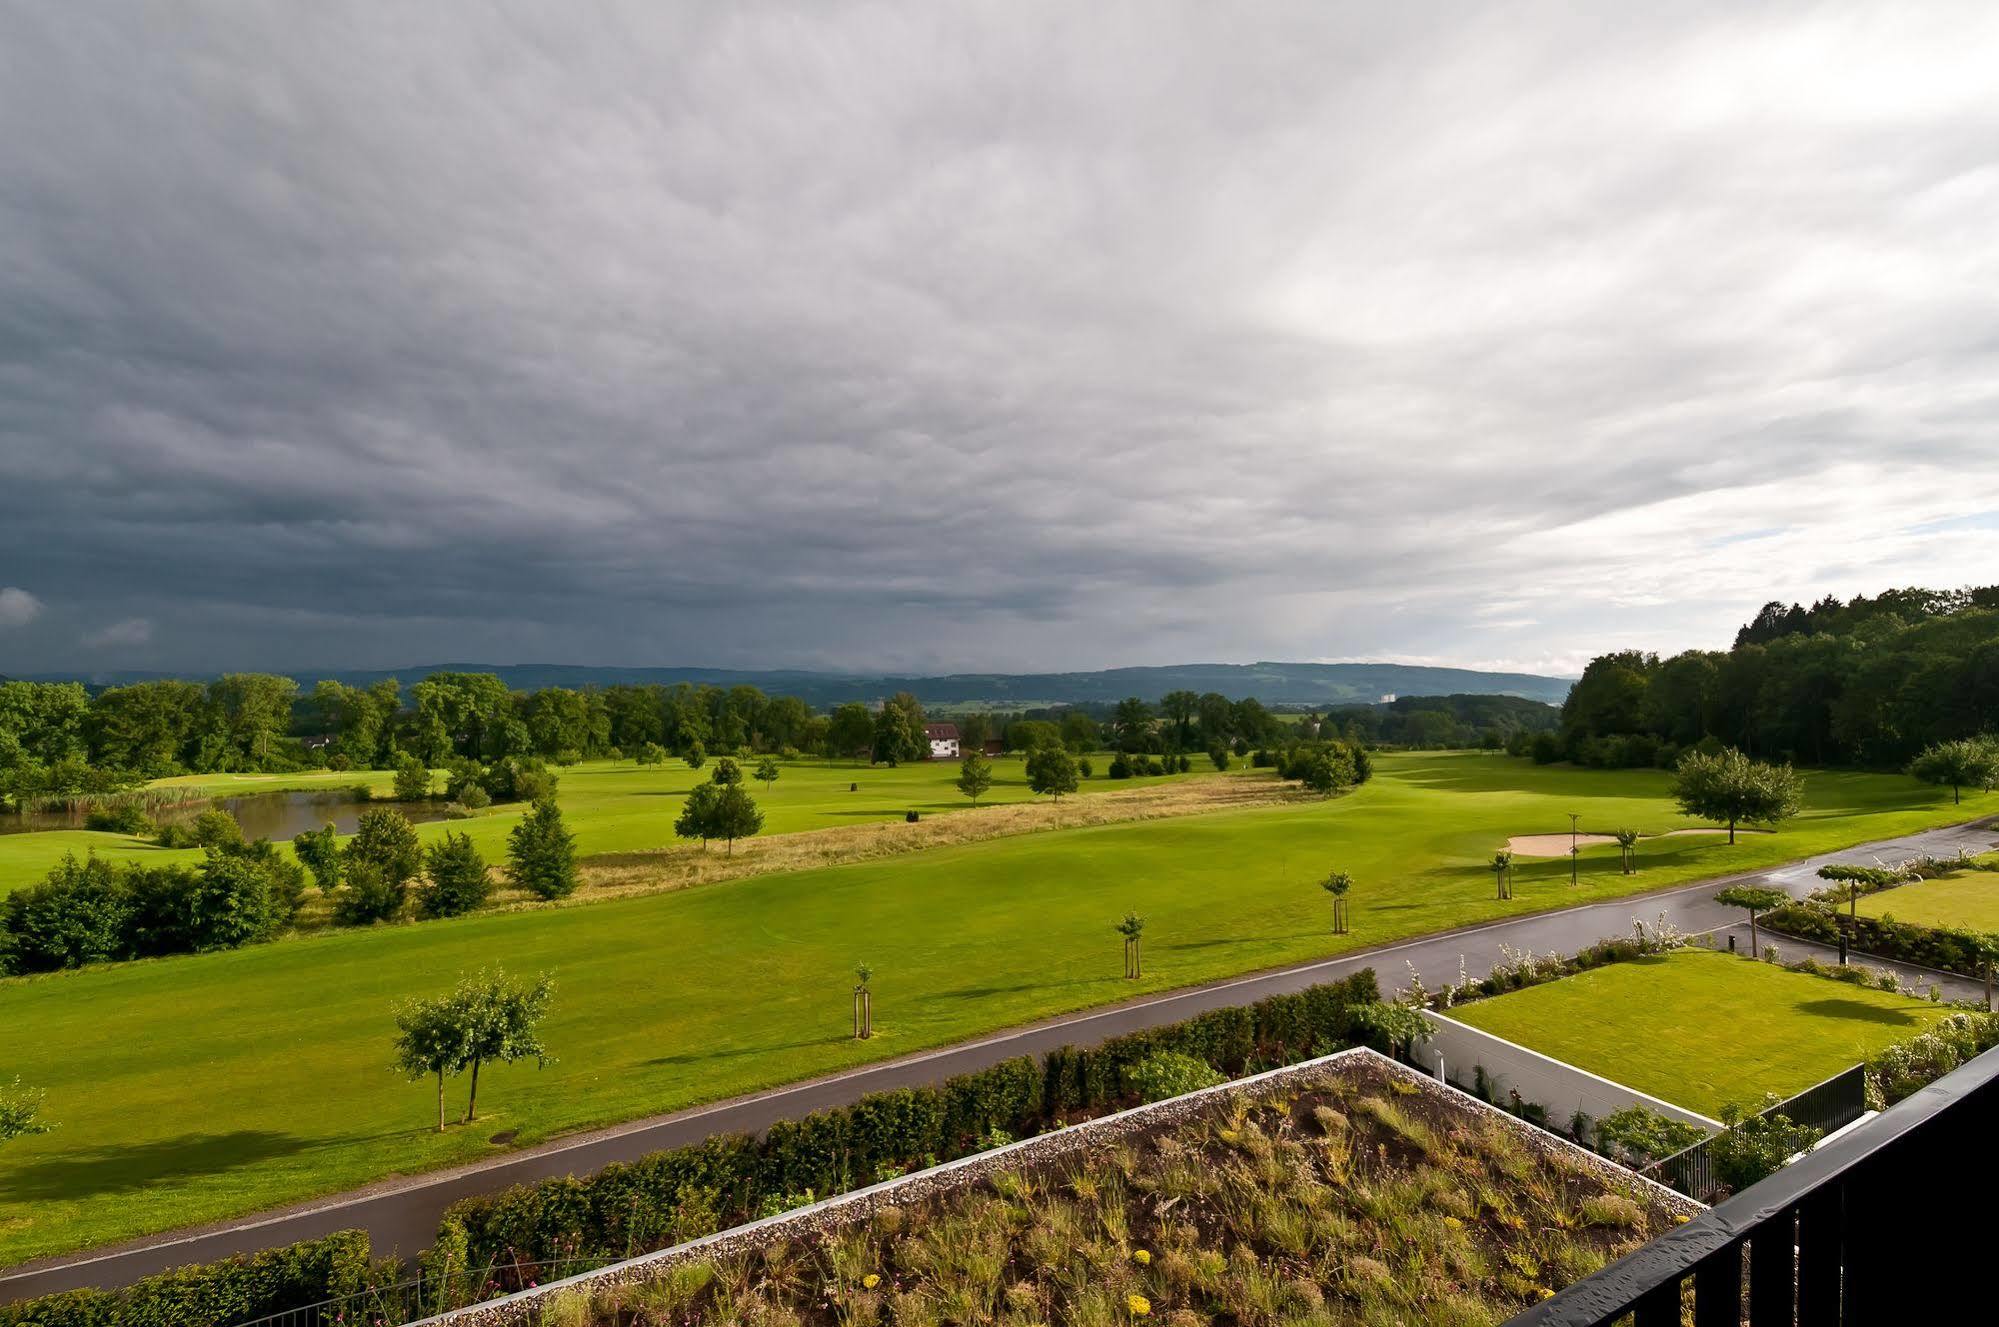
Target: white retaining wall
{"points": [[1539, 1079]]}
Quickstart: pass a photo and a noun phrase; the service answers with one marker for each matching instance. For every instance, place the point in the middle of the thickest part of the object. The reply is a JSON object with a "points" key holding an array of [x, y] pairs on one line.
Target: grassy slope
{"points": [[220, 1083], [613, 807], [1703, 1029], [1966, 899]]}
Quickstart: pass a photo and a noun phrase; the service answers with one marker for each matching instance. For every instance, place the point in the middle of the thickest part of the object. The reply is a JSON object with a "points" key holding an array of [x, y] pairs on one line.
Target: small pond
{"points": [[275, 816]]}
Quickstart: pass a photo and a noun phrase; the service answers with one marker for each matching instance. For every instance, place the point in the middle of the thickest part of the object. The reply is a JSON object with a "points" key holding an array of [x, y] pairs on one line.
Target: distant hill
{"points": [[1271, 683]]}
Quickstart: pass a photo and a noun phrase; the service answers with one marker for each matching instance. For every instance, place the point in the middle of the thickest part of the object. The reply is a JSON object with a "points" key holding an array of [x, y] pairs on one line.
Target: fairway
{"points": [[196, 1087], [1967, 900], [611, 806], [1702, 1029]]}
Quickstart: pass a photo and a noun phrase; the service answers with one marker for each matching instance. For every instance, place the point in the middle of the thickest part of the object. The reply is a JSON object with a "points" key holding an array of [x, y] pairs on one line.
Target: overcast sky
{"points": [[1005, 336]]}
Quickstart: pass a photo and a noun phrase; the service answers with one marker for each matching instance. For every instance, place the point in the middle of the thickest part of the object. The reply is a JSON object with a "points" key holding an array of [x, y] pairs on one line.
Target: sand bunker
{"points": [[1557, 845], [1552, 845]]}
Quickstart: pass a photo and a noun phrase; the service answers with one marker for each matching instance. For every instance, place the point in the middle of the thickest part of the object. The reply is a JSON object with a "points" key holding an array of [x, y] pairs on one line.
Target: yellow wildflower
{"points": [[1139, 1305], [1142, 1257], [1546, 1293], [871, 1280], [1453, 1223]]}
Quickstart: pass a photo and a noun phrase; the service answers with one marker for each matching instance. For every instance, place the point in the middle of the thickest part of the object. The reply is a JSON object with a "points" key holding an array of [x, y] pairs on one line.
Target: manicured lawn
{"points": [[612, 806], [1968, 900], [1703, 1029], [196, 1087]]}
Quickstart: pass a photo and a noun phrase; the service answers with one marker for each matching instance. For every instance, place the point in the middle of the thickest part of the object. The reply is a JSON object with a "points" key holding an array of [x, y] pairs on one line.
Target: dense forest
{"points": [[1870, 682]]}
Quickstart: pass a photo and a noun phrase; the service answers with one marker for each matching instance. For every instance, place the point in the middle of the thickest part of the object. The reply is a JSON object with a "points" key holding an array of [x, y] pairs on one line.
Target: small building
{"points": [[943, 739], [994, 747]]}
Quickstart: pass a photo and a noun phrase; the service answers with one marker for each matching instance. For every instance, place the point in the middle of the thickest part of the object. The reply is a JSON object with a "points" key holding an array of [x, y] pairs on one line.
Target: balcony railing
{"points": [[1887, 1224]]}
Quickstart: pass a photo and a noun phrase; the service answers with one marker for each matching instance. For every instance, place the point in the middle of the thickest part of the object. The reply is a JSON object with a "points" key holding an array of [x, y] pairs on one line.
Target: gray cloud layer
{"points": [[1001, 336]]}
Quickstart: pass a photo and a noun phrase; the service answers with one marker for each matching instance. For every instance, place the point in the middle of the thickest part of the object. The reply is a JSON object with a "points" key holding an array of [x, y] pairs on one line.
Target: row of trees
{"points": [[95, 911], [1871, 682]]}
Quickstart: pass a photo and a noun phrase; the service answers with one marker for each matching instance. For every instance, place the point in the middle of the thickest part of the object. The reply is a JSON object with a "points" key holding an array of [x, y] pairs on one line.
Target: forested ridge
{"points": [[1868, 682]]}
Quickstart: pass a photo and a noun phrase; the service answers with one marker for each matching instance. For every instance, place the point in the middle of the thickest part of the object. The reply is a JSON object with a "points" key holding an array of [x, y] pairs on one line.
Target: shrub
{"points": [[910, 816], [1166, 1074], [215, 829], [1636, 1136], [652, 753], [121, 818], [319, 849], [80, 913], [385, 841], [474, 798], [1218, 756], [174, 835], [1084, 768], [412, 780], [368, 895], [1120, 766], [569, 755], [231, 903], [541, 853], [233, 1290], [457, 881], [1183, 763], [1753, 1146]]}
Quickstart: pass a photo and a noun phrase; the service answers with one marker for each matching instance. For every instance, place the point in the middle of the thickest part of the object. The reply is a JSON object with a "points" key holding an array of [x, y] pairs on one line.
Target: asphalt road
{"points": [[402, 1216]]}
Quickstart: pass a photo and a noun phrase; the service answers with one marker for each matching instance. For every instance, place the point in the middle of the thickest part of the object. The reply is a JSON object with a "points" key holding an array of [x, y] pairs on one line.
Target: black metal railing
{"points": [[1826, 1107], [1881, 1226], [407, 1301]]}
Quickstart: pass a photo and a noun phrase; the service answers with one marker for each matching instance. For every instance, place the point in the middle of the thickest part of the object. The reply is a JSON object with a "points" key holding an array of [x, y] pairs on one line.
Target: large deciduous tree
{"points": [[1730, 787], [1051, 771], [1965, 763], [851, 732]]}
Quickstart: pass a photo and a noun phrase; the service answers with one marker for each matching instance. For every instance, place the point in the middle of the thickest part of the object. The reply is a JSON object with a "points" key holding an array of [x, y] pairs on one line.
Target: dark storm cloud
{"points": [[1007, 336]]}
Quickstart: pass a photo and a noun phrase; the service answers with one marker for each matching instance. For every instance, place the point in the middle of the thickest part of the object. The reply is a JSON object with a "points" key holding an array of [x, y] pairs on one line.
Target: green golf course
{"points": [[196, 1087], [611, 806]]}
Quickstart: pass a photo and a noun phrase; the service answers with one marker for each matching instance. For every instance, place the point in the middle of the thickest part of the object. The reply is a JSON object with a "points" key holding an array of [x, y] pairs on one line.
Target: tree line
{"points": [[1870, 682], [241, 893], [60, 741]]}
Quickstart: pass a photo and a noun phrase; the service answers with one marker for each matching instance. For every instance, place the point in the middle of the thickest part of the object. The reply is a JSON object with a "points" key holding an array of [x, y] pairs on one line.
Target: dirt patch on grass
{"points": [[679, 867]]}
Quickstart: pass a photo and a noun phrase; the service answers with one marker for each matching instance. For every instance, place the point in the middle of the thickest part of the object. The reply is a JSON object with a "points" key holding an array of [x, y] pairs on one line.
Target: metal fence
{"points": [[419, 1297], [1827, 1107], [1876, 1227]]}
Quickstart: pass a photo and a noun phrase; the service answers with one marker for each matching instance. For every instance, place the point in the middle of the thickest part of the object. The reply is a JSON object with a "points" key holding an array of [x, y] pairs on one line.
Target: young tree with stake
{"points": [[1132, 928], [1754, 898], [1627, 849], [432, 1037], [502, 1024], [1338, 884], [864, 1003], [1501, 867]]}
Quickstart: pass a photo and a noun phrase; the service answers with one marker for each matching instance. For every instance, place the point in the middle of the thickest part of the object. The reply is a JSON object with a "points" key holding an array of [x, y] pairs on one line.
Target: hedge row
{"points": [[211, 1294], [630, 1208], [1943, 947]]}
